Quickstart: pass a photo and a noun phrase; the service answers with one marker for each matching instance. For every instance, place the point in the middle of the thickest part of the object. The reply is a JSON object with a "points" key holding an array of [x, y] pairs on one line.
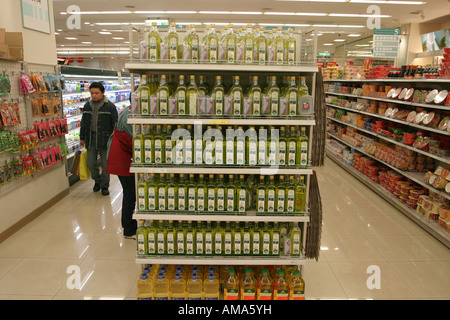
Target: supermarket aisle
{"points": [[360, 230]]}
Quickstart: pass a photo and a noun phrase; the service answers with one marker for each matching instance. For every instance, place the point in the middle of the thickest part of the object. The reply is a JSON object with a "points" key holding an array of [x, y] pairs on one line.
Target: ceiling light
{"points": [[214, 12], [122, 23], [388, 2], [86, 42], [189, 23], [118, 38], [339, 40], [71, 38], [354, 35], [357, 15], [100, 12], [149, 12], [181, 12], [311, 14], [57, 33], [105, 32], [327, 44]]}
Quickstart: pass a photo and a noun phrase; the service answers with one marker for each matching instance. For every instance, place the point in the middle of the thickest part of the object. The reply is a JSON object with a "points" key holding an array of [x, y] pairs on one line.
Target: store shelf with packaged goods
{"points": [[256, 121], [426, 153], [408, 124], [430, 226], [393, 80], [417, 177], [249, 216], [145, 66], [221, 260], [407, 103]]}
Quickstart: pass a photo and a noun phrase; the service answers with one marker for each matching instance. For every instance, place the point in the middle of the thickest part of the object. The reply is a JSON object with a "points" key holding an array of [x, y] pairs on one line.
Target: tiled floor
{"points": [[360, 230]]}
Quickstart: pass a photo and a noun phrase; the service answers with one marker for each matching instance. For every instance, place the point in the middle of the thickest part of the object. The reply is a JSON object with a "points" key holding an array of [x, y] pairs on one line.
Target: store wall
{"points": [[38, 47]]}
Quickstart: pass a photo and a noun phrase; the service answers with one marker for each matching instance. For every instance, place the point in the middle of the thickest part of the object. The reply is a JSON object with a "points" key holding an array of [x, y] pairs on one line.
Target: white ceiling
{"points": [[89, 32]]}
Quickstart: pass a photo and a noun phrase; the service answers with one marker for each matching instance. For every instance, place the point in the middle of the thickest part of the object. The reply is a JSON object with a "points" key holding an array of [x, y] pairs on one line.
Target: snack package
{"points": [[39, 83], [48, 83], [16, 166], [5, 116], [38, 162], [16, 110], [14, 142], [36, 106], [2, 86], [63, 83], [34, 138], [5, 140], [45, 158], [27, 165], [6, 84], [26, 86], [58, 153], [55, 105], [45, 106], [7, 172], [2, 176]]}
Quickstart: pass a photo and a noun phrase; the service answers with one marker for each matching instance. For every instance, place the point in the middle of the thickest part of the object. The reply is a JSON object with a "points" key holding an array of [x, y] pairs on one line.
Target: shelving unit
{"points": [[212, 70], [417, 177]]}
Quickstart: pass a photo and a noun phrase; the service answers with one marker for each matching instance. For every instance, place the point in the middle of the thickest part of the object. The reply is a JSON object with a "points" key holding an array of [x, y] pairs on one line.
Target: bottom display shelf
{"points": [[430, 227], [220, 260]]}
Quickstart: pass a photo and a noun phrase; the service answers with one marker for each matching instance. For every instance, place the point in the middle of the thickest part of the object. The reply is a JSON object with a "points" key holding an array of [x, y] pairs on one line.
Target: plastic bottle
{"points": [[178, 288], [297, 287], [264, 289], [144, 287], [231, 286], [194, 288], [161, 288], [211, 287], [280, 287], [248, 286]]}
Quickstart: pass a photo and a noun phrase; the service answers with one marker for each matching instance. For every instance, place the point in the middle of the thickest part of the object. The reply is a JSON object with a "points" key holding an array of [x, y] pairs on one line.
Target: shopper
{"points": [[120, 153], [97, 124]]}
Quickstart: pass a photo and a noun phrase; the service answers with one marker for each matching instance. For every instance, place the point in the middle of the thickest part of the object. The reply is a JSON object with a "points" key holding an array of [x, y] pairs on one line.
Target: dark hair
{"points": [[97, 85]]}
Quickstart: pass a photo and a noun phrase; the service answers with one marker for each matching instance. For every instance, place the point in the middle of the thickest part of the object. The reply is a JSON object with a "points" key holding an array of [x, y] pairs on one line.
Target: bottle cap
{"points": [[144, 276]]}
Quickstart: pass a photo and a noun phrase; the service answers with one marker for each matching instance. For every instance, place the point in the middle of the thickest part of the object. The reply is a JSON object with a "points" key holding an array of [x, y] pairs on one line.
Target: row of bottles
{"points": [[246, 46], [219, 146], [164, 96], [197, 194], [196, 238], [184, 282]]}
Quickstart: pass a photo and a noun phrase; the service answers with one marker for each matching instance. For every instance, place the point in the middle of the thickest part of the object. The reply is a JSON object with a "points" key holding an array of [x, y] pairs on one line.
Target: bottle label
{"points": [[199, 243], [194, 50], [293, 104], [144, 102], [180, 243], [282, 154], [219, 102], [137, 151], [274, 102], [168, 151], [163, 102], [170, 243], [261, 200], [266, 243], [219, 152], [295, 244], [231, 49], [264, 294], [148, 151], [141, 198], [188, 151], [262, 52], [246, 244], [181, 199], [262, 153], [298, 295], [256, 243], [171, 198], [151, 198], [160, 239], [213, 51], [141, 244], [272, 152], [221, 199], [191, 199], [280, 52], [211, 199], [231, 294], [209, 152], [291, 52], [242, 200], [227, 243], [151, 243], [271, 200], [218, 244], [208, 243], [248, 294], [192, 103], [281, 200], [198, 151], [162, 298], [292, 153], [230, 152], [237, 244], [201, 199], [304, 153], [152, 48], [275, 244], [181, 102], [281, 295], [240, 152], [173, 47], [162, 199], [237, 103], [249, 51], [290, 200], [190, 243], [158, 151], [230, 200], [252, 153], [256, 103], [179, 152]]}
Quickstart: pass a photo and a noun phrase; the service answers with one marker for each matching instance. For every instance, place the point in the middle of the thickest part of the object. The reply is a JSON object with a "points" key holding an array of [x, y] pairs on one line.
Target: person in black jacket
{"points": [[97, 124]]}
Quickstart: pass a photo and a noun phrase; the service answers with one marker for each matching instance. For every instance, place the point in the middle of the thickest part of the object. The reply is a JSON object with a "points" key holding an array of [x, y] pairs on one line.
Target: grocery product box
{"points": [[14, 39], [4, 52], [2, 36], [16, 53]]}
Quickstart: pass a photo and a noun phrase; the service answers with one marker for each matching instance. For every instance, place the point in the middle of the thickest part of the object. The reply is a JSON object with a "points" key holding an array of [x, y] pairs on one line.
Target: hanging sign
{"points": [[36, 15], [386, 42]]}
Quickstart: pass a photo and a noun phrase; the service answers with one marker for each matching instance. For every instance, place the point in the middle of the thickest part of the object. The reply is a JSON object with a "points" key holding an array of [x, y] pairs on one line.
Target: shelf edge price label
{"points": [[219, 122]]}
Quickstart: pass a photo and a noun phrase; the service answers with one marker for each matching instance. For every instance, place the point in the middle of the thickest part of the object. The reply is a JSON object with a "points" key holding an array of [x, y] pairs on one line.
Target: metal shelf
{"points": [[221, 260], [445, 133], [431, 155], [430, 227], [193, 169], [407, 103], [137, 67], [221, 121], [417, 177], [247, 217]]}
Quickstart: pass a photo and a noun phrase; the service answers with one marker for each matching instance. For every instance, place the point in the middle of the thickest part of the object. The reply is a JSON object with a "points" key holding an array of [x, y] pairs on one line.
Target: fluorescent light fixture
{"points": [[327, 44], [122, 23], [63, 13], [280, 13], [86, 42], [149, 22], [181, 12], [311, 14], [306, 14], [362, 45], [339, 40], [246, 12], [100, 12], [214, 12], [388, 2], [105, 32], [354, 35], [71, 38], [315, 0], [357, 15], [118, 38], [188, 23], [149, 12], [297, 25]]}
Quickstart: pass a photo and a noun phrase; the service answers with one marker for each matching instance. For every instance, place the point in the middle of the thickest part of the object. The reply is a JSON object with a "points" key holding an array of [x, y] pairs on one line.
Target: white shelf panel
{"points": [[445, 133], [137, 67], [417, 177], [220, 260], [431, 155], [429, 226], [222, 121], [249, 217], [225, 170]]}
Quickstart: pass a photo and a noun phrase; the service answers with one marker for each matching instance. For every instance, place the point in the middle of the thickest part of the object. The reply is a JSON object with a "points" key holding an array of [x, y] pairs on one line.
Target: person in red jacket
{"points": [[120, 154]]}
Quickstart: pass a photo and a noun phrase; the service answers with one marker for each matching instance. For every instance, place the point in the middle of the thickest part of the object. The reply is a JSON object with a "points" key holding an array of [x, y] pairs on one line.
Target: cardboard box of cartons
{"points": [[2, 36], [4, 52], [16, 53], [14, 39]]}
